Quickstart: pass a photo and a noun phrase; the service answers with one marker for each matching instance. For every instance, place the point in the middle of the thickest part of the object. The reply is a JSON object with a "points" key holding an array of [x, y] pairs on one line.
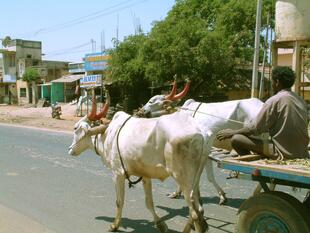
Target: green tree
{"points": [[126, 68], [207, 41], [31, 76], [6, 41]]}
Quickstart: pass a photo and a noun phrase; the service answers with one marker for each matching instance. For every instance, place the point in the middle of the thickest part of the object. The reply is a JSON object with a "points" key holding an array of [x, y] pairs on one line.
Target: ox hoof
{"points": [[113, 228], [201, 228], [188, 228], [223, 200], [174, 195], [161, 227]]}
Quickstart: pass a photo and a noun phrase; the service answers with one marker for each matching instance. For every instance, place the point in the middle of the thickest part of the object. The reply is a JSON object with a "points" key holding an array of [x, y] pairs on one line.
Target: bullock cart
{"points": [[270, 211]]}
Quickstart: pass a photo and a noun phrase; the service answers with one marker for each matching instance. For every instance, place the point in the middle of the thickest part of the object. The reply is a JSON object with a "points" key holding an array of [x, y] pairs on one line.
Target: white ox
{"points": [[149, 148], [211, 117]]}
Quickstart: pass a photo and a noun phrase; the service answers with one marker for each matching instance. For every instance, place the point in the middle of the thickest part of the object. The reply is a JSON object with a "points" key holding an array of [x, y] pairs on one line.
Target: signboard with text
{"points": [[91, 81], [96, 61]]}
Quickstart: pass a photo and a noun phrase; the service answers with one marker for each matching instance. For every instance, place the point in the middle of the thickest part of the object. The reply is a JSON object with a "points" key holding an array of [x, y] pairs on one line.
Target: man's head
{"points": [[283, 77]]}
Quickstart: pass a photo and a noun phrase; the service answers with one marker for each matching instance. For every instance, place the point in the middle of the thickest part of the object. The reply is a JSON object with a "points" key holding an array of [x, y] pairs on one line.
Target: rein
{"points": [[197, 109], [208, 114], [95, 144], [130, 183]]}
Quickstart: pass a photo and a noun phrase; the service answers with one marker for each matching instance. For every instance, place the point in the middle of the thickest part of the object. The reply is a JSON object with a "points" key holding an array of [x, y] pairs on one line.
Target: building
{"points": [[16, 57]]}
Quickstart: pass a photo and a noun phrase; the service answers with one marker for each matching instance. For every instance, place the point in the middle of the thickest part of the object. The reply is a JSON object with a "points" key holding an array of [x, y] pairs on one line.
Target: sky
{"points": [[66, 27]]}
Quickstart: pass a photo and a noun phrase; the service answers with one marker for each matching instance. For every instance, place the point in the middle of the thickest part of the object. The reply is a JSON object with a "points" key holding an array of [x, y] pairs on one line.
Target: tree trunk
{"points": [[34, 92]]}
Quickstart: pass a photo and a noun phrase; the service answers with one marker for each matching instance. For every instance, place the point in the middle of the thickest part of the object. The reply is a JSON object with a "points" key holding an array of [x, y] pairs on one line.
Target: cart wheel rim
{"points": [[268, 223]]}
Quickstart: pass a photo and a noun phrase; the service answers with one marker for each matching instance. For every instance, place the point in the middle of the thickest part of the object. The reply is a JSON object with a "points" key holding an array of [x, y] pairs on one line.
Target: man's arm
{"points": [[228, 133]]}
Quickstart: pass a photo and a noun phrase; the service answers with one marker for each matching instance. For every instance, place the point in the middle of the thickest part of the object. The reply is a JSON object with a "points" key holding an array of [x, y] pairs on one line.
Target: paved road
{"points": [[42, 184]]}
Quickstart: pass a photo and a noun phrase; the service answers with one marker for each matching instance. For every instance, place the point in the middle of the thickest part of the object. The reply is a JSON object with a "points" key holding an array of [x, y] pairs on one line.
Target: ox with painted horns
{"points": [[159, 150], [158, 104]]}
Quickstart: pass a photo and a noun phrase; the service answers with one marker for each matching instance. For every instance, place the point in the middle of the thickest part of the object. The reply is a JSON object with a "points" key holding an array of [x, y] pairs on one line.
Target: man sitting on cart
{"points": [[284, 116]]}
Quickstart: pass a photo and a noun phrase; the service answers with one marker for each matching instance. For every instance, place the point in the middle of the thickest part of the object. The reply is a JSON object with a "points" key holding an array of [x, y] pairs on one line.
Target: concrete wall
{"points": [[27, 49]]}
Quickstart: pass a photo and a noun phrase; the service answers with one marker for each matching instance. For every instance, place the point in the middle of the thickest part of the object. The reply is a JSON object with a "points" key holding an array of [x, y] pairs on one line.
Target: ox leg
{"points": [[147, 185], [195, 212], [210, 176], [120, 194], [190, 187], [176, 194]]}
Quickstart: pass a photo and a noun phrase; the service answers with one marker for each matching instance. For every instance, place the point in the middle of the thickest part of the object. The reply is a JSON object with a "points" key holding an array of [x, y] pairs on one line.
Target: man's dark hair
{"points": [[285, 75]]}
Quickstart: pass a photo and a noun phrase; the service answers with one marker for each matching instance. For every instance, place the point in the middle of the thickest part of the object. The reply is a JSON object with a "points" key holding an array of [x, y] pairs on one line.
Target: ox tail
{"points": [[198, 144], [190, 153]]}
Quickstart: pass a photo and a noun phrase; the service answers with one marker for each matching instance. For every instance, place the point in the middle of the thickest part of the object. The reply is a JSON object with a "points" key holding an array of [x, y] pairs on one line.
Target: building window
{"points": [[22, 92], [11, 61]]}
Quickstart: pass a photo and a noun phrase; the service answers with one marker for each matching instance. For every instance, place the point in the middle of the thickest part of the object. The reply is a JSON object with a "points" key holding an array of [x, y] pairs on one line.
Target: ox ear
{"points": [[167, 103], [97, 130], [182, 93], [173, 91]]}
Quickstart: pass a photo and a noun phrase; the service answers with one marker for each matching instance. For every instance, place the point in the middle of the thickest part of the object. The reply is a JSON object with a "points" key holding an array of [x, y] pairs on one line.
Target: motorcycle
{"points": [[56, 110]]}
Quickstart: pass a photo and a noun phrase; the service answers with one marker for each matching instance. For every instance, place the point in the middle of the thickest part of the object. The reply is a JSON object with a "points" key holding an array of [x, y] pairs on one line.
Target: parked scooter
{"points": [[56, 110]]}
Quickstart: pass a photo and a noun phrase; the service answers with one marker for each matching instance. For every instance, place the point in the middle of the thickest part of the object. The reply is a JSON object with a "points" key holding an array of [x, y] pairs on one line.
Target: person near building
{"points": [[284, 116], [77, 92]]}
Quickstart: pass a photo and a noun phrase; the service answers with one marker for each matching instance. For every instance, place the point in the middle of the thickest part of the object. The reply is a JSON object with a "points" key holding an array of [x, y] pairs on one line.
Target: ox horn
{"points": [[93, 116], [173, 91], [97, 130], [182, 93], [105, 108]]}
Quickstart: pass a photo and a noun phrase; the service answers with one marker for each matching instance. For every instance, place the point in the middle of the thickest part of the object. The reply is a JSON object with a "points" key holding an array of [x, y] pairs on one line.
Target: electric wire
{"points": [[89, 17]]}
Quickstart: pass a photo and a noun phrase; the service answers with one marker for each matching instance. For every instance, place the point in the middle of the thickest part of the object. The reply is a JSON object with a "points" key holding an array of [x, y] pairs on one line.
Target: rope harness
{"points": [[208, 114], [197, 109], [130, 182], [95, 144]]}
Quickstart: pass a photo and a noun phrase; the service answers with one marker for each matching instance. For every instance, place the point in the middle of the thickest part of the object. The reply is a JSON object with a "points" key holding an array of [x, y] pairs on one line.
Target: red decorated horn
{"points": [[93, 116], [173, 91], [182, 93], [105, 108]]}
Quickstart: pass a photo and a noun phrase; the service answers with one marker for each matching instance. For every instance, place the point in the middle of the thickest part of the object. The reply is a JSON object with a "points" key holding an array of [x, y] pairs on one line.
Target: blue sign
{"points": [[8, 78], [91, 80], [96, 61]]}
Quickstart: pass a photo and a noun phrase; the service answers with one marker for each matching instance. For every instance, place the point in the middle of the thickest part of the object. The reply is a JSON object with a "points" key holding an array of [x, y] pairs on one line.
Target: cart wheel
{"points": [[272, 212]]}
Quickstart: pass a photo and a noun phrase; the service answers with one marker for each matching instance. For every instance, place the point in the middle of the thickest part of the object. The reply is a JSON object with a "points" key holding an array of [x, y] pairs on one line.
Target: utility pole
{"points": [[102, 41], [117, 28], [93, 45], [256, 49], [262, 79]]}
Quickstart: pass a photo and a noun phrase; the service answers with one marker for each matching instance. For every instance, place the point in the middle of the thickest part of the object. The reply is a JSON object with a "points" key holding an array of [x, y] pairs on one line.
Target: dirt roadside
{"points": [[39, 117]]}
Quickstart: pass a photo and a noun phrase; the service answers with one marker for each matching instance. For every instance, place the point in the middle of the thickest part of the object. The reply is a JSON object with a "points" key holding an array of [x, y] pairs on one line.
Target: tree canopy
{"points": [[206, 41], [31, 75]]}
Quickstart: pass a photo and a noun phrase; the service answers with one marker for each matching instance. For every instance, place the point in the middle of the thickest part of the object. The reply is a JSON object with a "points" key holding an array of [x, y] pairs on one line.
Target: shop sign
{"points": [[91, 80], [8, 78], [96, 61]]}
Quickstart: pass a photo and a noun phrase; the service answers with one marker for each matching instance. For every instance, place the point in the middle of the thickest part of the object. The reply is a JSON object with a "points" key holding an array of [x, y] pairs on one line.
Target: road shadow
{"points": [[134, 225], [143, 225], [215, 223], [231, 202]]}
